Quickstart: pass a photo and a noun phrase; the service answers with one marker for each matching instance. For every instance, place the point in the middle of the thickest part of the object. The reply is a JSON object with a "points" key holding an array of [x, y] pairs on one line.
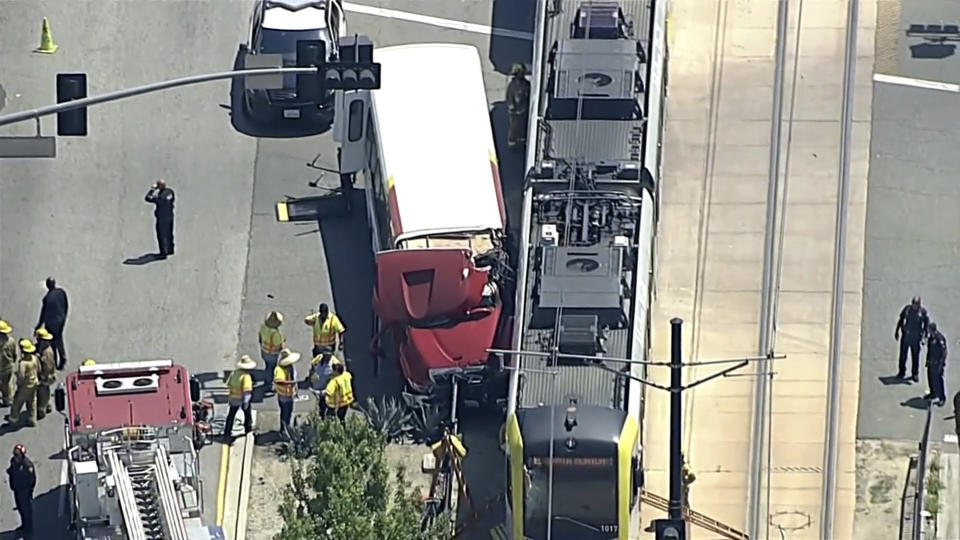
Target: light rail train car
{"points": [[573, 432]]}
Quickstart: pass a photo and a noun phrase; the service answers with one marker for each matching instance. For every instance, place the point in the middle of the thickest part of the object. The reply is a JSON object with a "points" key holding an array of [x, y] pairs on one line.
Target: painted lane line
{"points": [[950, 438], [435, 21], [916, 83]]}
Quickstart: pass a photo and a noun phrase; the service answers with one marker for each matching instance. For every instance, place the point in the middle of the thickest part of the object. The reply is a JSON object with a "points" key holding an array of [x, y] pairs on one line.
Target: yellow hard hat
{"points": [[27, 346], [43, 334], [5, 327], [89, 362]]}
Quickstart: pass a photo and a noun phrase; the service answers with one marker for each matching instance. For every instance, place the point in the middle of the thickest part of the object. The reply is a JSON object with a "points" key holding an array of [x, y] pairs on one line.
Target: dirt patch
{"points": [[881, 473], [270, 473]]}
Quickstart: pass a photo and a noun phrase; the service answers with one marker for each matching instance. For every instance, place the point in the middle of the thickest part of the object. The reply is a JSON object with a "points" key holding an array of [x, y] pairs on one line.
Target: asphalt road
{"points": [[294, 266], [80, 216], [911, 245]]}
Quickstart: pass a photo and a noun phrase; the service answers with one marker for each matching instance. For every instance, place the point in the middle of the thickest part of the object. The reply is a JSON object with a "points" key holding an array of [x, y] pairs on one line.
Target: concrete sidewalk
{"points": [[709, 259]]}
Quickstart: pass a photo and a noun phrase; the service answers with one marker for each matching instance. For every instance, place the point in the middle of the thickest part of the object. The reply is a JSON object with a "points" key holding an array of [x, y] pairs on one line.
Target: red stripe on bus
{"points": [[496, 184]]}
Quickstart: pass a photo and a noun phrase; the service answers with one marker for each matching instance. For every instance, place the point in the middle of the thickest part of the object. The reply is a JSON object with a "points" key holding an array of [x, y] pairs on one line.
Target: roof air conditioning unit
{"points": [[128, 385]]}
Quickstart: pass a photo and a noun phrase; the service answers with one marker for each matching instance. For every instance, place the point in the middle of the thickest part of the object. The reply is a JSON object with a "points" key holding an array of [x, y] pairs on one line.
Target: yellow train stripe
{"points": [[493, 157], [283, 213]]}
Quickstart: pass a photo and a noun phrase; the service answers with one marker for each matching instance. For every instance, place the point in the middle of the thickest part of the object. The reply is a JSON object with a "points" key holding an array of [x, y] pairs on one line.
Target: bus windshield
{"points": [[584, 493]]}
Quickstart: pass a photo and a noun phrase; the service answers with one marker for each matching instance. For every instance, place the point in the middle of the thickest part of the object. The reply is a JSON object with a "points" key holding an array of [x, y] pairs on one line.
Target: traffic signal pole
{"points": [[676, 419], [35, 114]]}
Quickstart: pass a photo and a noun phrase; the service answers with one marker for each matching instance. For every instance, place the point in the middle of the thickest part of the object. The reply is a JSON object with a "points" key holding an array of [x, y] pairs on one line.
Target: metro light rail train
{"points": [[573, 433]]}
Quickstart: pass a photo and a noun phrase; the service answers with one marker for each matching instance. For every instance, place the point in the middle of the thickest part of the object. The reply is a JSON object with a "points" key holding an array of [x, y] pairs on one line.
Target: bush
{"points": [[340, 488]]}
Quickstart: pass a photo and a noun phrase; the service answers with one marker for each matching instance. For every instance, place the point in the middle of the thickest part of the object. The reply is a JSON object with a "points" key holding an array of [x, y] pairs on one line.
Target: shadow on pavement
{"points": [[242, 123], [349, 256], [932, 51], [916, 402], [47, 523], [516, 15], [893, 380], [146, 258]]}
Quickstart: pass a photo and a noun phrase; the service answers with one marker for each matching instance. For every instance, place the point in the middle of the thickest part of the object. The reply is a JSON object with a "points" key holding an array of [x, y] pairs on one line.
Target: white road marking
{"points": [[62, 504], [950, 438], [916, 83], [435, 21]]}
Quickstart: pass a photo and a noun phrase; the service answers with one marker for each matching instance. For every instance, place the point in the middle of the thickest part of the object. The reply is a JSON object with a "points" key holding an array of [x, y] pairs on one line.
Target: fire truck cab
{"points": [[132, 467]]}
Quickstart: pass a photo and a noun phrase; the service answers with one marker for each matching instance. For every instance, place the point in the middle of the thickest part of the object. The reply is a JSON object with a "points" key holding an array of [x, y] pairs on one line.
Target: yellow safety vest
{"points": [[339, 391], [240, 382], [271, 339], [325, 333], [282, 376]]}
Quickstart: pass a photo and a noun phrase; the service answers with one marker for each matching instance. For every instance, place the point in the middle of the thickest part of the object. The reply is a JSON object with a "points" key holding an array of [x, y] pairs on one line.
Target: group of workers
{"points": [[27, 371], [328, 376], [914, 329]]}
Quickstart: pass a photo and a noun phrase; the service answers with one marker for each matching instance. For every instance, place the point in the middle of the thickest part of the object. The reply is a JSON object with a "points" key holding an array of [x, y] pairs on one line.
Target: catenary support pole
{"points": [[761, 390], [676, 418], [831, 435], [145, 89]]}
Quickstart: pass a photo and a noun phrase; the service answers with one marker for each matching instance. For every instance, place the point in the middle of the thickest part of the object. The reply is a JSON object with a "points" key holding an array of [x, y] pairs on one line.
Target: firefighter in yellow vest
{"points": [[48, 371], [8, 362], [240, 386], [272, 342], [327, 330], [285, 385], [339, 392], [321, 371], [28, 371]]}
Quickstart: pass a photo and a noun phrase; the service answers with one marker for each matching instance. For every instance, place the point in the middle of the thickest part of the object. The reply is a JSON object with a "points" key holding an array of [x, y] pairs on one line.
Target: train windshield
{"points": [[582, 494]]}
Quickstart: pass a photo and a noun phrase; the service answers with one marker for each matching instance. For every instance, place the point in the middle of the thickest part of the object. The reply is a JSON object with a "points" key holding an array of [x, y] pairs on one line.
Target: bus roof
{"points": [[436, 140]]}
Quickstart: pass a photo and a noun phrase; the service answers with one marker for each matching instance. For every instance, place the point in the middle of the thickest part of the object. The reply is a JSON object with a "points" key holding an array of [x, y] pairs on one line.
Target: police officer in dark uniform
{"points": [[936, 362], [912, 324], [518, 101], [23, 479], [162, 197]]}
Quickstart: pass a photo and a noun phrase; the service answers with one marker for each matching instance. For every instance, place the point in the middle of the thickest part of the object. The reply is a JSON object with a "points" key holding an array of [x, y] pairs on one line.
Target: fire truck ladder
{"points": [[148, 498], [694, 517]]}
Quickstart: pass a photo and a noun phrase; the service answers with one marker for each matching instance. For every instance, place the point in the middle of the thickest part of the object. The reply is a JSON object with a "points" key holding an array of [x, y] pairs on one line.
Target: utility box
{"points": [[87, 477]]}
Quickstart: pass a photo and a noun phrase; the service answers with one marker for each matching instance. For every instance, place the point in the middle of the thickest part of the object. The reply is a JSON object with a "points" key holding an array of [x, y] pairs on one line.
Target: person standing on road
{"points": [[28, 371], [240, 386], [162, 198], [327, 330], [285, 385], [8, 362], [321, 368], [936, 363], [48, 372], [911, 329], [518, 102], [272, 342], [339, 392], [23, 479], [53, 317]]}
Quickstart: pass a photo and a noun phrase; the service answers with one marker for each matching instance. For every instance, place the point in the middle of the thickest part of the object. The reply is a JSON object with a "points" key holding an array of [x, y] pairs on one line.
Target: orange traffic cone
{"points": [[47, 46]]}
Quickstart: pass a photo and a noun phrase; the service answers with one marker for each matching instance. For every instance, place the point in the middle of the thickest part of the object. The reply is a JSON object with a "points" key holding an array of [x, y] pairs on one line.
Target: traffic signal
{"points": [[310, 53], [356, 69], [71, 86], [351, 76]]}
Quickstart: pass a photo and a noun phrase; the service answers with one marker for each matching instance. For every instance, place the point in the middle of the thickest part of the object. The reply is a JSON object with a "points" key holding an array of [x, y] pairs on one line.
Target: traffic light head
{"points": [[352, 76], [71, 86]]}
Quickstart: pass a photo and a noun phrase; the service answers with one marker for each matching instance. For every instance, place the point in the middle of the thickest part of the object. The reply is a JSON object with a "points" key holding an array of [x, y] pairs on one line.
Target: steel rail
{"points": [[831, 435], [761, 389]]}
